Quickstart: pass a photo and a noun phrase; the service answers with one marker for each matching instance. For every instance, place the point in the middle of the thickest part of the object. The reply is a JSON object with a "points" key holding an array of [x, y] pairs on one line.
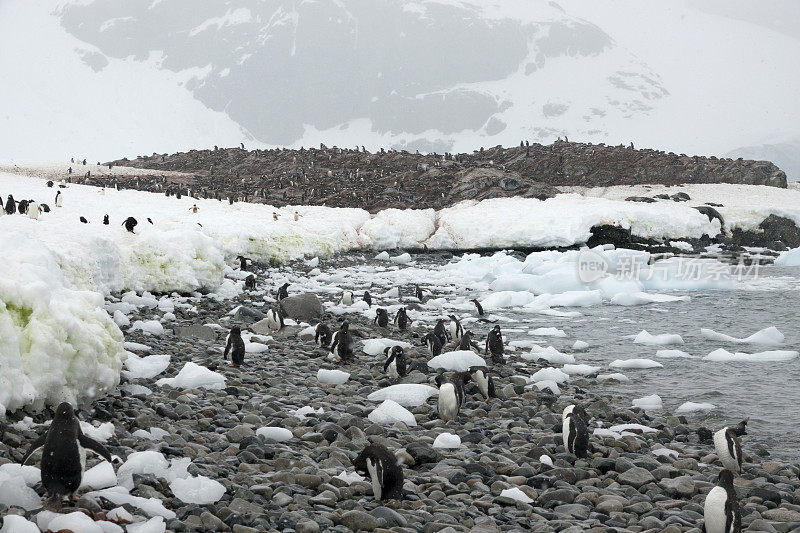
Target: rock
{"points": [[635, 477], [306, 526], [680, 197], [609, 506], [422, 453], [781, 515], [767, 495], [682, 487], [773, 228], [242, 506], [642, 199], [195, 331], [359, 520], [762, 526], [304, 306], [248, 315], [390, 517], [238, 433], [212, 523]]}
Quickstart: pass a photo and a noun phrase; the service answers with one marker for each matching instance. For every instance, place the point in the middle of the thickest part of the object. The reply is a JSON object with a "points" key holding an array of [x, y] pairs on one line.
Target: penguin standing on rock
{"points": [[478, 307], [250, 282], [322, 335], [342, 342], [395, 365], [235, 345], [283, 291], [494, 345], [433, 343], [451, 394], [242, 262], [456, 331], [130, 224], [368, 298], [574, 430], [381, 317], [377, 462], [346, 298], [275, 319], [721, 512], [481, 377], [728, 445], [64, 454], [440, 331], [466, 344], [418, 294], [401, 319]]}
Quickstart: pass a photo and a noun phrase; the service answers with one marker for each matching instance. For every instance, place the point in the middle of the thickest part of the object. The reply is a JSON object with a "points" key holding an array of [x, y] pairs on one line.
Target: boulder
{"points": [[195, 331], [304, 306]]}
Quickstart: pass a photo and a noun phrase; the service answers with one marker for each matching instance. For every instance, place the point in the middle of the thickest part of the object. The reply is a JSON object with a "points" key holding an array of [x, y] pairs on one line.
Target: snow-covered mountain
{"points": [[122, 77]]}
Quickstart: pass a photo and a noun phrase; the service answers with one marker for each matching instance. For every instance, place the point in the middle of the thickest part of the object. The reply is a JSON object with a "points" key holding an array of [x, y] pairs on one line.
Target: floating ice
{"points": [[405, 394], [199, 490], [789, 258], [649, 402], [447, 441], [773, 356], [383, 256], [377, 346], [517, 495], [194, 376], [635, 364], [673, 354], [584, 370], [457, 361], [691, 407], [665, 338], [770, 336], [549, 354], [548, 332], [580, 345], [335, 377], [275, 434], [642, 298], [145, 367], [390, 412], [402, 259]]}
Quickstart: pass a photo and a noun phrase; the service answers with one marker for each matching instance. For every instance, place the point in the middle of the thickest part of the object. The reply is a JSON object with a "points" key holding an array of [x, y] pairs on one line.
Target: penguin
{"points": [[342, 342], [381, 317], [386, 475], [250, 282], [440, 332], [130, 224], [64, 453], [22, 207], [401, 319], [480, 375], [11, 205], [456, 331], [235, 345], [451, 394], [50, 183], [59, 198], [728, 445], [151, 222], [45, 208], [275, 319], [721, 512], [83, 219], [346, 298], [418, 294], [368, 298], [478, 307], [395, 365], [33, 211], [433, 343], [466, 344], [283, 291], [105, 220], [494, 345], [242, 262], [322, 335], [574, 431]]}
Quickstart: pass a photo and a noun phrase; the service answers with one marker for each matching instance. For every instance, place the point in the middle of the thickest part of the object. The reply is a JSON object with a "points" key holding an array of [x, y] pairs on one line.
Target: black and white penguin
{"points": [[64, 453], [45, 208], [401, 319], [11, 205], [395, 365], [22, 207], [721, 512], [451, 395], [478, 307], [456, 331], [105, 220], [83, 219], [433, 343], [242, 262], [381, 317], [283, 291], [574, 431], [59, 198], [130, 223], [728, 445], [377, 462], [494, 345], [250, 282], [440, 331], [368, 298], [50, 183], [346, 298], [275, 319], [33, 210], [342, 342], [485, 382], [466, 344], [418, 294], [235, 345], [322, 335]]}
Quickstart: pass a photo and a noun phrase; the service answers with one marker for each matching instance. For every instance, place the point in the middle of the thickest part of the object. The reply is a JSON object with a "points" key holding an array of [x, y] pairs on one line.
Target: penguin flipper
{"points": [[38, 443], [91, 444]]}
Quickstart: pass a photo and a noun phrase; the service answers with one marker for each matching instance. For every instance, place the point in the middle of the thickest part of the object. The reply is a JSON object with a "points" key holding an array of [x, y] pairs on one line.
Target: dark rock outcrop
{"points": [[304, 306], [774, 232]]}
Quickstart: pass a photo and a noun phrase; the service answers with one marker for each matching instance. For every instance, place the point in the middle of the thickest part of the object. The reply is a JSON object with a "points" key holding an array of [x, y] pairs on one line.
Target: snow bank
{"points": [[405, 394], [724, 356], [390, 412], [770, 336], [457, 361]]}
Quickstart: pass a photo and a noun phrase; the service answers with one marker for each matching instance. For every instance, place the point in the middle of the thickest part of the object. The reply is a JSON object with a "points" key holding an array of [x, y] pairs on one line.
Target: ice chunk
{"points": [[17, 524], [584, 370], [199, 490], [548, 384], [377, 346], [151, 327], [649, 402], [614, 376], [348, 477], [121, 320], [102, 432], [402, 259], [14, 491], [550, 374], [75, 521], [307, 410], [580, 345], [136, 390], [120, 495], [516, 494], [31, 475], [546, 460], [405, 394], [548, 332], [447, 441], [100, 476], [549, 354], [691, 407], [335, 377], [275, 434], [194, 376], [154, 525], [642, 298], [635, 363], [666, 452], [673, 354], [390, 412], [457, 361], [146, 462], [789, 258], [632, 429], [770, 336], [665, 338], [145, 367], [255, 347], [772, 356], [383, 256]]}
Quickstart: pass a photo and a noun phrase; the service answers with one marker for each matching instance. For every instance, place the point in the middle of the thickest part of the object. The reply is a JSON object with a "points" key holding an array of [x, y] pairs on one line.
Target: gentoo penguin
{"points": [[433, 343], [322, 335], [45, 208], [494, 345], [275, 319], [250, 282], [480, 375], [342, 342], [130, 224], [33, 211], [83, 219], [451, 394], [105, 220], [381, 317], [440, 331], [283, 291], [194, 209], [456, 331], [59, 198], [346, 298], [395, 365], [728, 445], [466, 344], [574, 431], [368, 298], [275, 216], [401, 319], [242, 262], [50, 183], [478, 307], [235, 345], [721, 511], [22, 207], [64, 453], [418, 294], [11, 205], [377, 462]]}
